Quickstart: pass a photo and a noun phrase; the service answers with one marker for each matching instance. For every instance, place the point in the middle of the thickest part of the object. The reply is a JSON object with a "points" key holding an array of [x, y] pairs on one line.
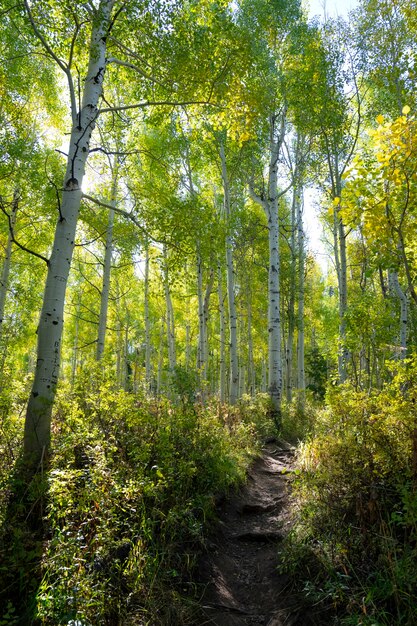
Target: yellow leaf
{"points": [[406, 110], [380, 119], [336, 201]]}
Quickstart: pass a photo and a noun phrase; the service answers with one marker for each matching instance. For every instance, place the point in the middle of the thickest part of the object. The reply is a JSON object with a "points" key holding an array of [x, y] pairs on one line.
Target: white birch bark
{"points": [[339, 249], [291, 301], [234, 367], [270, 206], [74, 363], [343, 353], [148, 347], [201, 354], [172, 357], [38, 416], [396, 288], [187, 334], [4, 281], [222, 332], [105, 288], [206, 314], [160, 358], [301, 383], [251, 365]]}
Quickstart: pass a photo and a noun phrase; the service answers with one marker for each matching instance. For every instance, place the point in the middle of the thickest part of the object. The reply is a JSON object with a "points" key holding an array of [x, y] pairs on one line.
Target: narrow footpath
{"points": [[239, 572]]}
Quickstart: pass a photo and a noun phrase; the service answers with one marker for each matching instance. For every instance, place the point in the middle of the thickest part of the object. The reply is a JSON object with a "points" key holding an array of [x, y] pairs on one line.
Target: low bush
{"points": [[354, 546], [131, 490]]}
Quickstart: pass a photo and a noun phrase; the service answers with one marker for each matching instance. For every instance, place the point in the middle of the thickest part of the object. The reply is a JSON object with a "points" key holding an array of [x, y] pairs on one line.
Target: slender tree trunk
{"points": [[274, 312], [270, 205], [160, 359], [251, 365], [206, 316], [343, 355], [291, 300], [148, 347], [264, 376], [222, 360], [339, 237], [105, 289], [242, 380], [4, 281], [74, 363], [38, 417], [301, 383], [119, 352], [396, 288], [127, 374], [187, 337], [234, 367], [172, 357], [201, 347]]}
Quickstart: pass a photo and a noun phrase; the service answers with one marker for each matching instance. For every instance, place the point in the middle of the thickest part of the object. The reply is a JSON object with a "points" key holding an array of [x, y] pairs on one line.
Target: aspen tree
{"points": [[38, 416], [230, 274]]}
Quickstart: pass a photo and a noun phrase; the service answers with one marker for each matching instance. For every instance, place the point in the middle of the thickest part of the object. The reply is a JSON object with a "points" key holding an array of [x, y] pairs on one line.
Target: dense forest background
{"points": [[161, 312]]}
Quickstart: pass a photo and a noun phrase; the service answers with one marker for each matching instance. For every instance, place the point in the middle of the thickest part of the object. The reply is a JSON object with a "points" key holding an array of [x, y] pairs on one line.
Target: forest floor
{"points": [[240, 570]]}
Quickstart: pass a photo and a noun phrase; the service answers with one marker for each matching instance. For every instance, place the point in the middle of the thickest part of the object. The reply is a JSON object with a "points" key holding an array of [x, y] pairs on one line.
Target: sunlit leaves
{"points": [[381, 190]]}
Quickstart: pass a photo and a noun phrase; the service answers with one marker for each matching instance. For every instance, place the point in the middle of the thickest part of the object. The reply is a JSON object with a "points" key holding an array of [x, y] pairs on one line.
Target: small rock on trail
{"points": [[242, 585]]}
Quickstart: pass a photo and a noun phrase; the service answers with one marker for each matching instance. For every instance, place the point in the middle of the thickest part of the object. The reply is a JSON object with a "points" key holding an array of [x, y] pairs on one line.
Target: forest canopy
{"points": [[154, 161]]}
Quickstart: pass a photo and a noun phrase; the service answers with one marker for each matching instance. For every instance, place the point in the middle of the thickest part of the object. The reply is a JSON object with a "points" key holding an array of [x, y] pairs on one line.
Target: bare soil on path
{"points": [[240, 571]]}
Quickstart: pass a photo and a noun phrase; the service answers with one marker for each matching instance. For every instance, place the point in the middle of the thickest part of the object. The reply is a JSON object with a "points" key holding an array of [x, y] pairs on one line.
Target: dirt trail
{"points": [[239, 571]]}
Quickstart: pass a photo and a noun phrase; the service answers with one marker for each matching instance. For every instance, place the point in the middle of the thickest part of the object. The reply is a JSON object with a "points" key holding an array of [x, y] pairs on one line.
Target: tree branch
{"points": [[148, 103], [136, 68], [256, 198], [19, 245]]}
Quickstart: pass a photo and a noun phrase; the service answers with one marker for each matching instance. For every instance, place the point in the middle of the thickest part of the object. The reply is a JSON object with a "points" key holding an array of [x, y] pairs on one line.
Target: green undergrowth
{"points": [[353, 549], [131, 491]]}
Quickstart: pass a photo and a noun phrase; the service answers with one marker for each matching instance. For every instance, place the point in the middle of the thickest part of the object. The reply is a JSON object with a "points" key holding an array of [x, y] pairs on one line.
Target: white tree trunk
{"points": [[274, 312], [201, 347], [234, 367], [251, 365], [343, 354], [291, 301], [38, 417], [105, 288], [4, 281], [301, 383], [206, 315], [270, 206], [74, 363], [222, 328], [172, 357], [160, 359], [396, 288], [148, 347]]}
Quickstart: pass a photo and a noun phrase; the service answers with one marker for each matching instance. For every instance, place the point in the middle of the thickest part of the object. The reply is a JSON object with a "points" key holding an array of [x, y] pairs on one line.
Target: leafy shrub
{"points": [[131, 490], [256, 412], [299, 416], [356, 495]]}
